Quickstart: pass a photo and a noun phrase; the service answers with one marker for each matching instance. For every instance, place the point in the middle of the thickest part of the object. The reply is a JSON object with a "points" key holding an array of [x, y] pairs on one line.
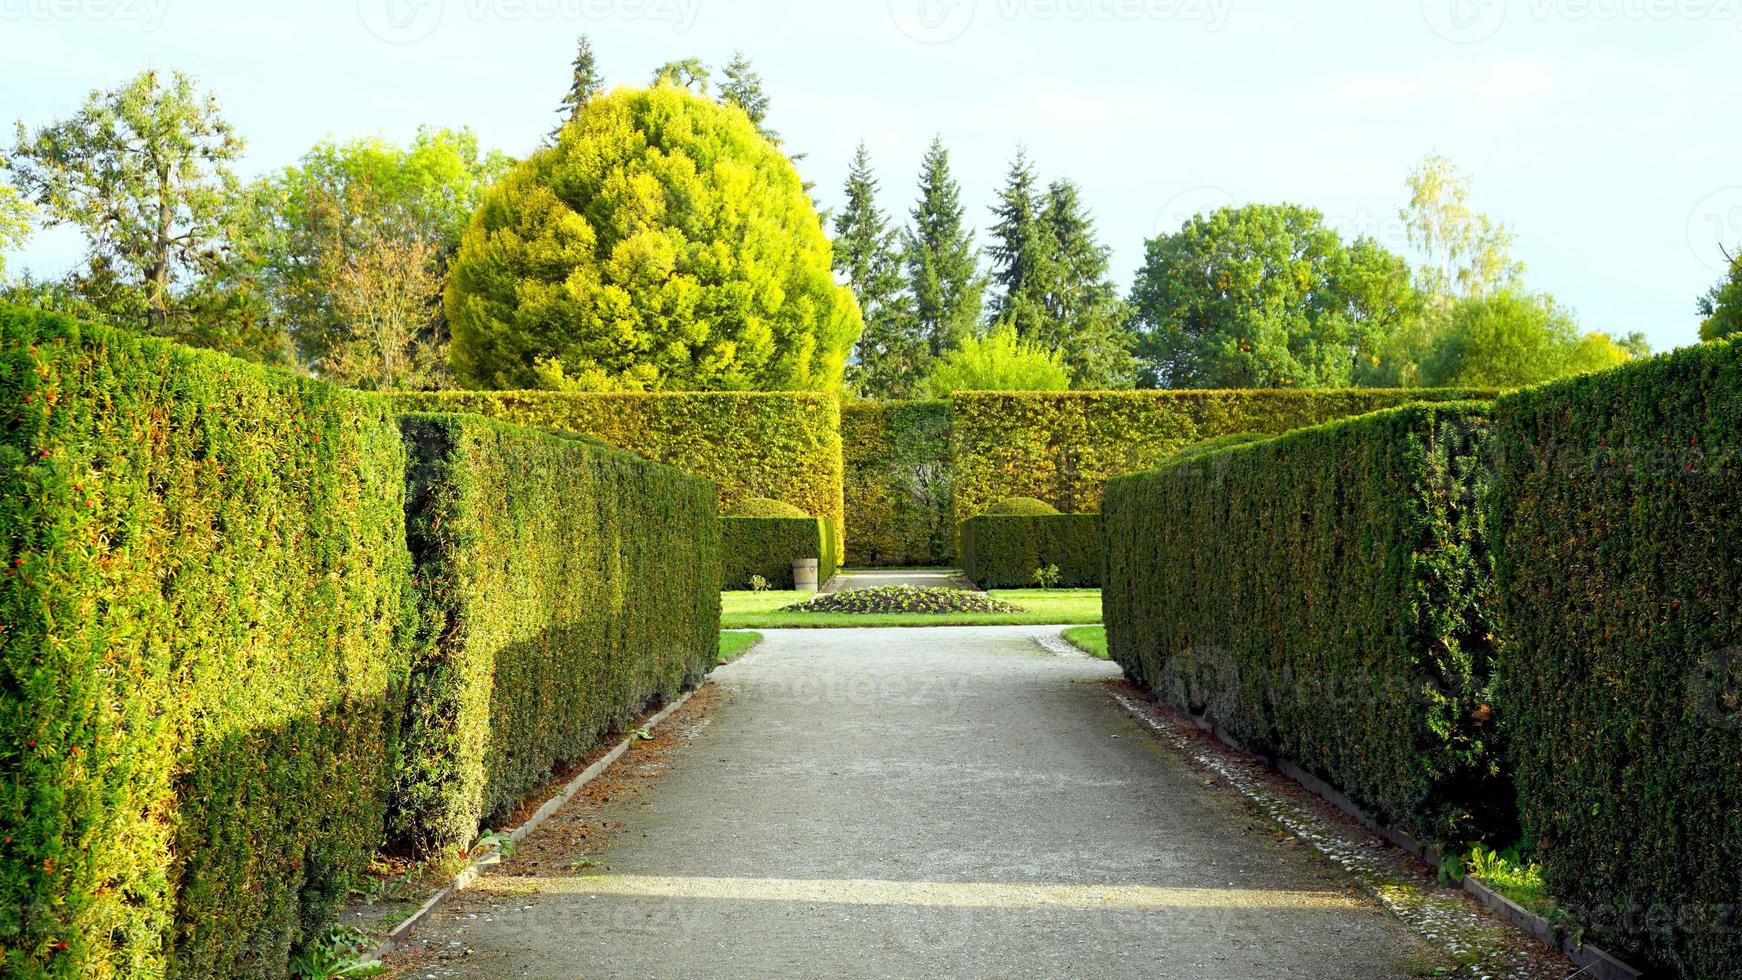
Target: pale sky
{"points": [[1603, 131]]}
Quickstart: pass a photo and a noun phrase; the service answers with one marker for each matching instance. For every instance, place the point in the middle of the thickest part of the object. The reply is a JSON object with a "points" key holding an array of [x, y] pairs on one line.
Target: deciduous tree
{"points": [[999, 361], [1721, 309]]}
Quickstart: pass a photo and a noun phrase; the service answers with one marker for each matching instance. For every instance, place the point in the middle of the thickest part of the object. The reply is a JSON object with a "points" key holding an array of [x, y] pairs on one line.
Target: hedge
{"points": [[781, 445], [898, 483], [206, 617], [1325, 596], [1618, 522], [1003, 552], [565, 586], [767, 546], [1063, 447]]}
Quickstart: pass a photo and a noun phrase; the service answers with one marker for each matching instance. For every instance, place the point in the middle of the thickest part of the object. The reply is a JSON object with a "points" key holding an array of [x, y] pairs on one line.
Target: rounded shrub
{"points": [[763, 507], [661, 244], [1021, 507]]}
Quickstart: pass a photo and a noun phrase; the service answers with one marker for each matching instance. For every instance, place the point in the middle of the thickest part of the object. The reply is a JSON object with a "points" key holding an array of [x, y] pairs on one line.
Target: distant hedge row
{"points": [[1000, 552], [205, 602], [785, 446], [1326, 596], [1618, 529], [898, 483], [1063, 447], [564, 587], [223, 685], [767, 546]]}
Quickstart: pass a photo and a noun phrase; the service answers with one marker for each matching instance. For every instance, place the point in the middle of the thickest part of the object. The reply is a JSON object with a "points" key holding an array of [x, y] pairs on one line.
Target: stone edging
{"points": [[492, 854], [1593, 962]]}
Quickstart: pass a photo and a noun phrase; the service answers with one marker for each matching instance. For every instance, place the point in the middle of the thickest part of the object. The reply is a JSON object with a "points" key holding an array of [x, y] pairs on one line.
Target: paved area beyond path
{"points": [[919, 803], [942, 578]]}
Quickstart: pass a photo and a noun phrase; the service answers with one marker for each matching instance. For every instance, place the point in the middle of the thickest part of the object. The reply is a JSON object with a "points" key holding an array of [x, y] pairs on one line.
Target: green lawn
{"points": [[733, 645], [1042, 607], [1092, 640]]}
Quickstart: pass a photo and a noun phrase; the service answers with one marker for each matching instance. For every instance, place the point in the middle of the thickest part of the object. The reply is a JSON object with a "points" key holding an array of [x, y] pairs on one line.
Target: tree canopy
{"points": [[998, 361], [662, 243], [1266, 296], [1511, 339], [1721, 309]]}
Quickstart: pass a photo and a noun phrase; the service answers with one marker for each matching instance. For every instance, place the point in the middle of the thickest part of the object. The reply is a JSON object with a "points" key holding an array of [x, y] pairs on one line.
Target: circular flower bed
{"points": [[904, 599]]}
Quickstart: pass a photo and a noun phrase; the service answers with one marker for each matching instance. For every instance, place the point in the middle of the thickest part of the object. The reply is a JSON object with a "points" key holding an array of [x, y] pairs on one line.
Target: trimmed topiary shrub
{"points": [[898, 483], [1021, 507], [767, 546], [206, 616], [763, 507], [887, 599], [663, 243], [565, 586], [1617, 522], [784, 446], [1063, 447], [1001, 552], [1326, 596]]}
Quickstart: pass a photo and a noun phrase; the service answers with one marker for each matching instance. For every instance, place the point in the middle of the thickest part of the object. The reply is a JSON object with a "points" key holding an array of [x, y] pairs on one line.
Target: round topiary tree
{"points": [[1021, 507], [661, 244], [763, 507]]}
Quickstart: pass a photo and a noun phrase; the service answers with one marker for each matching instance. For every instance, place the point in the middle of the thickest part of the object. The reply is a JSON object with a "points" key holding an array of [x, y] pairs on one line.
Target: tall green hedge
{"points": [[565, 585], [767, 546], [898, 483], [1000, 552], [785, 446], [1326, 596], [204, 625], [1063, 447], [1617, 520]]}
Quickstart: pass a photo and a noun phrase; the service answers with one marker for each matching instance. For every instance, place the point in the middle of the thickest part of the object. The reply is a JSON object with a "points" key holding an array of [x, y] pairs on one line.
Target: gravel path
{"points": [[895, 803]]}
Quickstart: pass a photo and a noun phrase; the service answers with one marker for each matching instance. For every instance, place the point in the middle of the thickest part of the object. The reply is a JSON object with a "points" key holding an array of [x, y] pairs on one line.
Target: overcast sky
{"points": [[1603, 131]]}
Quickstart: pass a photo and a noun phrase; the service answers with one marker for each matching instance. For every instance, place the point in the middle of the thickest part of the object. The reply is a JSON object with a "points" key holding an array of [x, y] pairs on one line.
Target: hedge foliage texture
{"points": [[1003, 552], [565, 585], [898, 483], [767, 546], [205, 607], [1617, 521], [1326, 596]]}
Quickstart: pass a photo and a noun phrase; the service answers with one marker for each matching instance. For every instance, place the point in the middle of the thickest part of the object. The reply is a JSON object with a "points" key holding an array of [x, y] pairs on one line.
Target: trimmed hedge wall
{"points": [[1002, 552], [898, 483], [767, 546], [781, 445], [1063, 447], [206, 620], [1618, 523], [565, 586], [1325, 596]]}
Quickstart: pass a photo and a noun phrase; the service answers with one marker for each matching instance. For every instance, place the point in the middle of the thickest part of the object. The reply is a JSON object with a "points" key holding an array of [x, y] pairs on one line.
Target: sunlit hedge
{"points": [[767, 546], [898, 483], [564, 586], [1003, 552], [205, 615]]}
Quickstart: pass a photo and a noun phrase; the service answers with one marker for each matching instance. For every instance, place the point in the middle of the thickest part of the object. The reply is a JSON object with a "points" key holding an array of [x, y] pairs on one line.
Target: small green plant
{"points": [[1513, 877], [758, 584], [641, 735], [1048, 576], [339, 953]]}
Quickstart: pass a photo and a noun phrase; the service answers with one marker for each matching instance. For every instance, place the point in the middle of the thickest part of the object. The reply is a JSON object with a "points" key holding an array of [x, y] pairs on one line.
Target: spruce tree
{"points": [[943, 264], [1023, 252], [893, 360], [585, 84], [743, 88], [1085, 317]]}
